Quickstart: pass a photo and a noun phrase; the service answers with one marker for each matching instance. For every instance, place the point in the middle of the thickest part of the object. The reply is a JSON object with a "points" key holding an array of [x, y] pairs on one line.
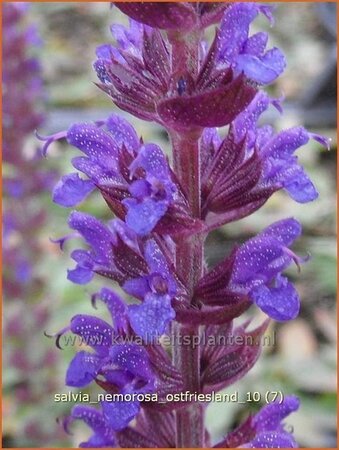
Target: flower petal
{"points": [[272, 439], [143, 217], [280, 302], [80, 275], [103, 434], [95, 233], [95, 143], [152, 160], [157, 263], [253, 260], [134, 359], [116, 306], [286, 231], [286, 142], [271, 415], [71, 190], [123, 133], [149, 320], [83, 273], [299, 186], [94, 332], [256, 44], [263, 70], [245, 124], [119, 413], [234, 29], [138, 287], [97, 172], [83, 369]]}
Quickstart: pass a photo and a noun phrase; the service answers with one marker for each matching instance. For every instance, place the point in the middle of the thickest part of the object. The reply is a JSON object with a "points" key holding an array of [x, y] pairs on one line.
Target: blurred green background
{"points": [[303, 359]]}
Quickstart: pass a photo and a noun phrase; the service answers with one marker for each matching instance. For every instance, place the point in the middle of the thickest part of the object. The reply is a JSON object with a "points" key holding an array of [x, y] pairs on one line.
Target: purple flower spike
{"points": [[161, 69]]}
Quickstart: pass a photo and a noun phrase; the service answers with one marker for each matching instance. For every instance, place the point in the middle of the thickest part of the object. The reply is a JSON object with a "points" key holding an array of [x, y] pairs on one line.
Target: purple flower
{"points": [[280, 166], [118, 364], [157, 289], [99, 259], [134, 178], [103, 434], [71, 190], [125, 367], [247, 54], [254, 270], [240, 172], [140, 268], [152, 195], [264, 429]]}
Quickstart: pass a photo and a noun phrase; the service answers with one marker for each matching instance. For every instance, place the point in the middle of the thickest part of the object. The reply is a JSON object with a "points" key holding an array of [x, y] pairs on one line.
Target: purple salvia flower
{"points": [[120, 368], [134, 178], [125, 367], [254, 270], [240, 172], [247, 54], [264, 429], [157, 290], [140, 267], [103, 435]]}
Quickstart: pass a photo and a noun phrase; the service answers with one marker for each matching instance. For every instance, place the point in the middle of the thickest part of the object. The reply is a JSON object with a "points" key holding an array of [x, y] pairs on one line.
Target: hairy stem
{"points": [[189, 254]]}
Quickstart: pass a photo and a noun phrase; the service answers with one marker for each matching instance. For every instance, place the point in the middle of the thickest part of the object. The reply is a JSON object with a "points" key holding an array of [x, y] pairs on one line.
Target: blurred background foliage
{"points": [[302, 358]]}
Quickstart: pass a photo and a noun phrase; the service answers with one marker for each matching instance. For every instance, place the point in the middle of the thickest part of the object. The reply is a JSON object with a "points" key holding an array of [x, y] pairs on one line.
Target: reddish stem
{"points": [[189, 254]]}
